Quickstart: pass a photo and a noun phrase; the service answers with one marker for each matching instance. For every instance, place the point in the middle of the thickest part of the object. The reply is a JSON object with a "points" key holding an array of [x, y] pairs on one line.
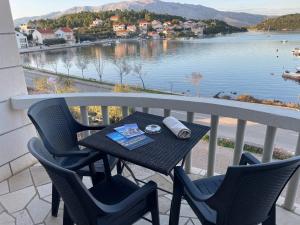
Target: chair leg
{"points": [[119, 167], [55, 201], [272, 218], [154, 210], [176, 203], [67, 219]]}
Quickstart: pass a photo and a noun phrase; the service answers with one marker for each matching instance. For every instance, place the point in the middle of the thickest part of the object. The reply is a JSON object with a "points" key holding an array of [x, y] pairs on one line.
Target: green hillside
{"points": [[283, 23]]}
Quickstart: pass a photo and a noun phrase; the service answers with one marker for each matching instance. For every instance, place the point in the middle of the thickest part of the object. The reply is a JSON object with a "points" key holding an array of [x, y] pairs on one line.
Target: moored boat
{"points": [[292, 75]]}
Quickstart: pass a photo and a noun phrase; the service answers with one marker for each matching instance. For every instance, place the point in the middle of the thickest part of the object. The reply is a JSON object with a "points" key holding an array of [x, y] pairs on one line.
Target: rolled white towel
{"points": [[178, 128]]}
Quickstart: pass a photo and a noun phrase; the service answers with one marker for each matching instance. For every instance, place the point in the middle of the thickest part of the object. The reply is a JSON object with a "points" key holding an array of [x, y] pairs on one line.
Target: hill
{"points": [[289, 22], [190, 11]]}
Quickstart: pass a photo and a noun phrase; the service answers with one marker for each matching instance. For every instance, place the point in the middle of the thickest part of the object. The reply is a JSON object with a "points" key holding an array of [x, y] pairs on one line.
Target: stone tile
{"points": [[87, 182], [1, 208], [6, 219], [142, 222], [38, 209], [22, 163], [50, 220], [285, 217], [5, 172], [44, 190], [196, 222], [164, 220], [164, 205], [20, 181], [39, 175], [140, 172], [186, 211], [48, 198], [162, 183], [17, 200], [4, 187], [23, 218]]}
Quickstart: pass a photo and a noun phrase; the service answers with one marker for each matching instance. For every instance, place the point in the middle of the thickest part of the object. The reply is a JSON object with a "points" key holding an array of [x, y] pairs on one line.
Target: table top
{"points": [[162, 155]]}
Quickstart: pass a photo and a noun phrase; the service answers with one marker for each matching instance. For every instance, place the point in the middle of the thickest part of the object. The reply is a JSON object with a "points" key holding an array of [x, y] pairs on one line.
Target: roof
{"points": [[144, 21], [66, 29], [45, 31], [114, 17]]}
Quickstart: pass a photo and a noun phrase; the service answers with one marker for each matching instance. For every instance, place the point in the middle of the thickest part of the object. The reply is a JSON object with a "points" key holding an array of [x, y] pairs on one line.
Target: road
{"points": [[255, 133]]}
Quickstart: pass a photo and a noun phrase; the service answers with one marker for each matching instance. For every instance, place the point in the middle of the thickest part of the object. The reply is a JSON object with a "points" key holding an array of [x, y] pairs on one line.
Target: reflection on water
{"points": [[250, 63]]}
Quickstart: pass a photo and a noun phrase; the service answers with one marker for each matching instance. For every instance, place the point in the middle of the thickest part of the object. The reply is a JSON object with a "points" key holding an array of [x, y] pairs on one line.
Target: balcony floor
{"points": [[25, 199]]}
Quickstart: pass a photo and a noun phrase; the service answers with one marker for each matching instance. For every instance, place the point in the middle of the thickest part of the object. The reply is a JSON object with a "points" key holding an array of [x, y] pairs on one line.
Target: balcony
{"points": [[30, 189]]}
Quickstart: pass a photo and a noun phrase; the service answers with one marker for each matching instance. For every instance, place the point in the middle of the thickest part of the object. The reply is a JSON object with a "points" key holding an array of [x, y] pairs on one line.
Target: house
{"points": [[198, 30], [96, 23], [65, 33], [114, 18], [122, 33], [154, 35], [156, 24], [39, 35], [25, 29], [167, 24], [144, 24], [131, 28], [119, 27], [21, 40]]}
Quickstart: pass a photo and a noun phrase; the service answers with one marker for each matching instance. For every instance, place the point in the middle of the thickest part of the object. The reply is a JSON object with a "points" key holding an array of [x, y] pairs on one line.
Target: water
{"points": [[246, 63]]}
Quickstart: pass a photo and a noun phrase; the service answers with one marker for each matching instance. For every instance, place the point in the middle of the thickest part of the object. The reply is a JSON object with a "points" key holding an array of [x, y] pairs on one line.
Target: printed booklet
{"points": [[129, 130], [130, 143]]}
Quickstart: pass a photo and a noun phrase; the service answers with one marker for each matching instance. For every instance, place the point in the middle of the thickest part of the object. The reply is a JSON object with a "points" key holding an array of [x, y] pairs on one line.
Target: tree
{"points": [[67, 61], [123, 68], [99, 65], [138, 71], [82, 63], [195, 79]]}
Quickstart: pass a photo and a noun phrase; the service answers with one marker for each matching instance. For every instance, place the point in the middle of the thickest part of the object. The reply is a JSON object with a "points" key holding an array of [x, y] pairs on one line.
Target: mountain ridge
{"points": [[190, 11]]}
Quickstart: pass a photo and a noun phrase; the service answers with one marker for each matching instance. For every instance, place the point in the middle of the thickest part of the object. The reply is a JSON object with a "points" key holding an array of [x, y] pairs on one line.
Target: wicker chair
{"points": [[116, 201], [58, 131], [246, 195]]}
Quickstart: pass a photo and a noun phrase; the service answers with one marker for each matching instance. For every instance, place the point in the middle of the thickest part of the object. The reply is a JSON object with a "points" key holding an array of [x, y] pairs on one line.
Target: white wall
{"points": [[15, 127]]}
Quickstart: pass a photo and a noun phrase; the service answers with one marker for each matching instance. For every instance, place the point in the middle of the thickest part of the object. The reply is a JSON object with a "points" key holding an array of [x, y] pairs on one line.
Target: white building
{"points": [[131, 28], [66, 33], [21, 40], [144, 25], [25, 29], [39, 35], [119, 27], [96, 23]]}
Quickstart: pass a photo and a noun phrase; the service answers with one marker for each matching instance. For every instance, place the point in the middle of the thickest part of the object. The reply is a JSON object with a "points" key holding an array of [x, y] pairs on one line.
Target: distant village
{"points": [[154, 29]]}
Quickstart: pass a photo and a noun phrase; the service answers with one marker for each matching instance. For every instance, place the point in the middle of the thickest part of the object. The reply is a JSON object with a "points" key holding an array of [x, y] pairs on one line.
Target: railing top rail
{"points": [[268, 115]]}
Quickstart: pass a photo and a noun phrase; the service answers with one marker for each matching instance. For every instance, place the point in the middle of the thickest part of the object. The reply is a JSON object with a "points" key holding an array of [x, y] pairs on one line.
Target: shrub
{"points": [[55, 41]]}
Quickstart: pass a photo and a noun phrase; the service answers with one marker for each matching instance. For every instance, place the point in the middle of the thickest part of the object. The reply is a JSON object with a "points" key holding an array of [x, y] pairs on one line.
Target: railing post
{"points": [[214, 122], [291, 192], [269, 144], [105, 115], [239, 141], [145, 110], [85, 119], [125, 111], [188, 159], [167, 112]]}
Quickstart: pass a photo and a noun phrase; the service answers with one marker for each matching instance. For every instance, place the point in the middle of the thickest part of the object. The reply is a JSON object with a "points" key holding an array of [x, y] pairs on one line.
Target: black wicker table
{"points": [[161, 156]]}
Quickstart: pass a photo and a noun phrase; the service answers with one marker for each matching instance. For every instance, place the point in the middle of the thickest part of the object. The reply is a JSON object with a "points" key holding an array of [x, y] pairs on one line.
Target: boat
{"points": [[118, 42], [284, 41], [296, 52], [106, 44], [292, 75]]}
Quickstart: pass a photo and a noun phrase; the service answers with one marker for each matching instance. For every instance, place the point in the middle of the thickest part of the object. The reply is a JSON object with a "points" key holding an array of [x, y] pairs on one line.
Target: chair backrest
{"points": [[248, 193], [55, 124], [80, 204]]}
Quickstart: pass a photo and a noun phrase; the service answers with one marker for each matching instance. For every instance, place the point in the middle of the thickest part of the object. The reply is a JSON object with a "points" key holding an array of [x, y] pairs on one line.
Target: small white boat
{"points": [[296, 52], [292, 75], [106, 44], [118, 42], [284, 41]]}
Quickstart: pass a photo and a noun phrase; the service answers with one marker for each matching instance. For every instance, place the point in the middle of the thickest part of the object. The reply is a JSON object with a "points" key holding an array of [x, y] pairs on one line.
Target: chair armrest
{"points": [[188, 185], [130, 201], [248, 158], [85, 127], [74, 153]]}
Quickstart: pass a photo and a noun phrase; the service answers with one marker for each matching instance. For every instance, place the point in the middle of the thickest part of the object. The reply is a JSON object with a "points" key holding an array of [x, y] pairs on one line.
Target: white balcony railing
{"points": [[272, 117]]}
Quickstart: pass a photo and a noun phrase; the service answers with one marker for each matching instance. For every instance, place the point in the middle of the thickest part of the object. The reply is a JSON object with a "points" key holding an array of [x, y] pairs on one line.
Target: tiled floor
{"points": [[25, 199]]}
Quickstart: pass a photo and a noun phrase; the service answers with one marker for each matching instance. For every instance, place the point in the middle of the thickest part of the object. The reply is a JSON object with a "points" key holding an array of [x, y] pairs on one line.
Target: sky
{"points": [[22, 8]]}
